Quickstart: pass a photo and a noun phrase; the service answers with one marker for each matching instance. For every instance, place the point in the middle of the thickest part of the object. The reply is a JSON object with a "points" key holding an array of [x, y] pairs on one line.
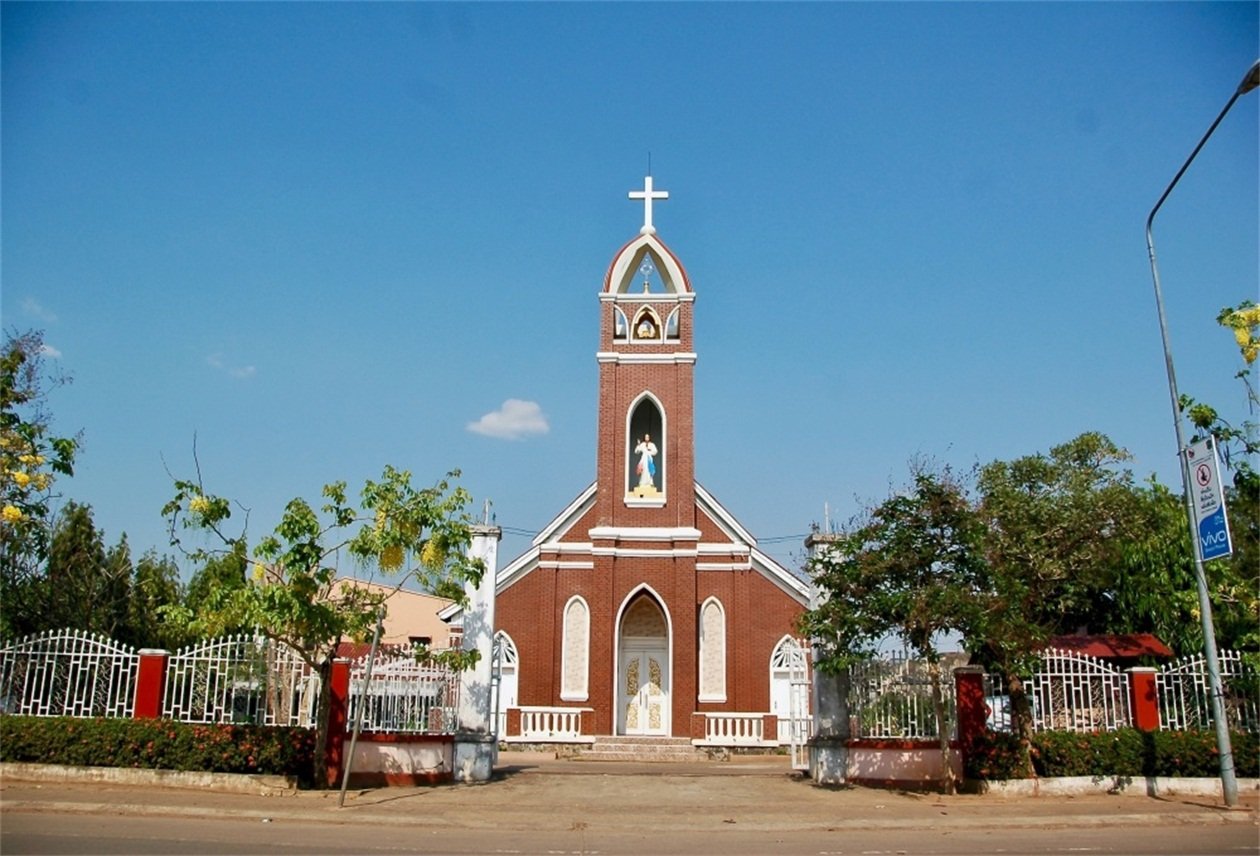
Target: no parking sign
{"points": [[1209, 500]]}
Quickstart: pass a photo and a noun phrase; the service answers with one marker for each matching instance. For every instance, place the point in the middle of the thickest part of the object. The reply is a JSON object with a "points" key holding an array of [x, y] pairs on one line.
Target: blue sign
{"points": [[1209, 500]]}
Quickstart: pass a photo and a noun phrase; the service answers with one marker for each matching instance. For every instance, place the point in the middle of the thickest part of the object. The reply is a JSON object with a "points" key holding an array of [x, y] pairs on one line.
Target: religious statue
{"points": [[646, 468]]}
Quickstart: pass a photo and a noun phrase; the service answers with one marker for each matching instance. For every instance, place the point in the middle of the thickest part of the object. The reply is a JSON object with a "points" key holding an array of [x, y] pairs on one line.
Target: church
{"points": [[644, 607]]}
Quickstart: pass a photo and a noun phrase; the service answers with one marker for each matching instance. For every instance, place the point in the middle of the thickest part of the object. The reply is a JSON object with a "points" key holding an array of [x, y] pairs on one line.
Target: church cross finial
{"points": [[647, 194]]}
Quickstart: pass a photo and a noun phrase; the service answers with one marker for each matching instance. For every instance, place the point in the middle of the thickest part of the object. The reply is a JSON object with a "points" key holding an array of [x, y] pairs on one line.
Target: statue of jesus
{"points": [[646, 468]]}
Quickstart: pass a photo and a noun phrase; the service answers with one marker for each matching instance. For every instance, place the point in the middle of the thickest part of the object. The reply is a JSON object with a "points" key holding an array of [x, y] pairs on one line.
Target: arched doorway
{"points": [[643, 673]]}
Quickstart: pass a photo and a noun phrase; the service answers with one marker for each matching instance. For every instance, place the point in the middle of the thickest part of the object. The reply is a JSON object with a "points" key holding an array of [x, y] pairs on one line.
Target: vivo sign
{"points": [[1209, 500]]}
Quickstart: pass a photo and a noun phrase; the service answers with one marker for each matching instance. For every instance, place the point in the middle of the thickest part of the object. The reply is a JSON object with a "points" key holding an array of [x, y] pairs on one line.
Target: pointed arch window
{"points": [[645, 452], [672, 325], [575, 650], [647, 325], [621, 327], [712, 651]]}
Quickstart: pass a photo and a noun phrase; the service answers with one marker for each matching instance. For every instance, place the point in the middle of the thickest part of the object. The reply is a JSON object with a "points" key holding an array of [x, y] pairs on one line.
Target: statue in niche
{"points": [[646, 467], [646, 328]]}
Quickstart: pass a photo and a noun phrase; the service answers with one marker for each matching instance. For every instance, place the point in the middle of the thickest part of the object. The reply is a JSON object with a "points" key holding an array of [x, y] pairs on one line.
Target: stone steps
{"points": [[643, 749]]}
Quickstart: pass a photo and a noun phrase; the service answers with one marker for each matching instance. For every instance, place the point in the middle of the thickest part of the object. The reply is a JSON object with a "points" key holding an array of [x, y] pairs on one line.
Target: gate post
{"points": [[973, 715], [338, 716], [476, 747], [1145, 700], [150, 684]]}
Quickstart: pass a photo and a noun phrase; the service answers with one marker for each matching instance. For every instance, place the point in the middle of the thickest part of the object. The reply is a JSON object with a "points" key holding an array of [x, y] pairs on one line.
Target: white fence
{"points": [[68, 673], [242, 679], [1185, 697], [1077, 692], [404, 696], [891, 697]]}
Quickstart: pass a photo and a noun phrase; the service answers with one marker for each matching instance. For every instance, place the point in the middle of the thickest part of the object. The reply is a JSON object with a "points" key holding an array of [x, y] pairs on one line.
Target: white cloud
{"points": [[216, 361], [49, 351], [31, 306], [515, 420]]}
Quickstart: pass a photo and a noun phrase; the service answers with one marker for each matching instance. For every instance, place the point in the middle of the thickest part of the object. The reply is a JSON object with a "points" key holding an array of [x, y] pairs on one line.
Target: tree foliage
{"points": [[293, 594], [31, 459], [913, 568]]}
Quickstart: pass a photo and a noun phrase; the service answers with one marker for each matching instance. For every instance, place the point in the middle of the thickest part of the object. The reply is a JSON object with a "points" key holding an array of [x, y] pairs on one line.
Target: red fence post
{"points": [[512, 727], [338, 716], [1145, 700], [973, 714], [150, 684]]}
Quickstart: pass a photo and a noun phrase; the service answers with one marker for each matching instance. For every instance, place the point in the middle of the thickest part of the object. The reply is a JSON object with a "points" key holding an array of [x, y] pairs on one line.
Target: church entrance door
{"points": [[645, 684]]}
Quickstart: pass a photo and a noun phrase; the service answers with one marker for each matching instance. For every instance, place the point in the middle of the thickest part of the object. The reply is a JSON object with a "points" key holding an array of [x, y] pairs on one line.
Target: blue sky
{"points": [[325, 237]]}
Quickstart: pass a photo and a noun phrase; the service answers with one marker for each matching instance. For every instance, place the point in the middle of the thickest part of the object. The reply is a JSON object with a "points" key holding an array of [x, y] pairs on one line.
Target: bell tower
{"points": [[645, 464]]}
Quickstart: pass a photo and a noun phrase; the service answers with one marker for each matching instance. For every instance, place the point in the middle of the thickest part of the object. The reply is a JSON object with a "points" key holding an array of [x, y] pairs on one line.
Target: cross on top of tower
{"points": [[647, 194]]}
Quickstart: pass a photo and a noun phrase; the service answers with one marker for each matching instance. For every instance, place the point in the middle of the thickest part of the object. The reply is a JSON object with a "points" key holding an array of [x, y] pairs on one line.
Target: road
{"points": [[56, 833], [550, 807]]}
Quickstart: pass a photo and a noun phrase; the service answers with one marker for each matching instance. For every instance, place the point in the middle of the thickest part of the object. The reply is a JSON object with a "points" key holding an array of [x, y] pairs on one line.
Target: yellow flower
{"points": [[391, 558], [433, 556], [11, 514], [260, 572], [199, 504], [22, 479], [1242, 336]]}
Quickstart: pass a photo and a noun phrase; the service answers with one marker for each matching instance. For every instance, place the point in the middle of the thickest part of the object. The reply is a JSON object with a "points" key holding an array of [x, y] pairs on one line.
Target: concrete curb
{"points": [[225, 783], [1137, 786]]}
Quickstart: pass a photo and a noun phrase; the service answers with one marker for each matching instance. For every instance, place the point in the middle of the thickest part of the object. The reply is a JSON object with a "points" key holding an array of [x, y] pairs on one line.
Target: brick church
{"points": [[645, 603]]}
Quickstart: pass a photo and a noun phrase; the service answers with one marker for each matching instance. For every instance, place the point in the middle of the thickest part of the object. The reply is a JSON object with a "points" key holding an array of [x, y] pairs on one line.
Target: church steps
{"points": [[643, 749]]}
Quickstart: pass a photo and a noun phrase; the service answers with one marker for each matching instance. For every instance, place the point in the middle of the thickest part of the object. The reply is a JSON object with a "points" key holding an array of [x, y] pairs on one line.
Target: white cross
{"points": [[647, 194]]}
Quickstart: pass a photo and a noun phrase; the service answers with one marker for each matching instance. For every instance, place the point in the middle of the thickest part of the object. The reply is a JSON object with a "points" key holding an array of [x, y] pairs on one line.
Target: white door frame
{"points": [[632, 643]]}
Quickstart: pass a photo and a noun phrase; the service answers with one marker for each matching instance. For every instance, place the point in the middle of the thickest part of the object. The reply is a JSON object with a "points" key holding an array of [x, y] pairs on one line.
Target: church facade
{"points": [[644, 606]]}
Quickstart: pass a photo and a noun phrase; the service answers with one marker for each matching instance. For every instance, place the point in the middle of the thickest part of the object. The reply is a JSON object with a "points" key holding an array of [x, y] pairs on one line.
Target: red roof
{"points": [[1112, 646]]}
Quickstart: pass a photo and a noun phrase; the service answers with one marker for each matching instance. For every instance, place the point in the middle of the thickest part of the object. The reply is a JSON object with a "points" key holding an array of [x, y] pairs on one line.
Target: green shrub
{"points": [[159, 744], [1123, 752]]}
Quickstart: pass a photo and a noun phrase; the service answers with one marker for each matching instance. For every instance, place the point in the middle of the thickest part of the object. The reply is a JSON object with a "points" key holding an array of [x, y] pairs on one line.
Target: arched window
{"points": [[672, 325], [503, 666], [575, 650], [645, 458], [621, 327], [712, 651]]}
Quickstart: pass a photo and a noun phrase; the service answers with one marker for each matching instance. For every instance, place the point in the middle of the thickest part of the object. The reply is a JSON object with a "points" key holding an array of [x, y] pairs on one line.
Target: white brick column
{"points": [[475, 745]]}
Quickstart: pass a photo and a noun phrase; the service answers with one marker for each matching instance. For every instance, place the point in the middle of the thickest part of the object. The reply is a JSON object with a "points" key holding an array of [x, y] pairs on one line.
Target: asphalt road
{"points": [[58, 833]]}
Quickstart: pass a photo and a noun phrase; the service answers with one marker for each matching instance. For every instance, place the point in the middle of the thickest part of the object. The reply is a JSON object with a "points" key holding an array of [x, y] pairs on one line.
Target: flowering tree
{"points": [[31, 458], [293, 594]]}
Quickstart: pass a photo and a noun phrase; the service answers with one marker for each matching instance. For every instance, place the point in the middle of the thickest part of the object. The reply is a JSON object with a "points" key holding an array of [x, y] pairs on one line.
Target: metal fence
{"points": [[68, 673], [243, 679], [1185, 696], [404, 696], [891, 697]]}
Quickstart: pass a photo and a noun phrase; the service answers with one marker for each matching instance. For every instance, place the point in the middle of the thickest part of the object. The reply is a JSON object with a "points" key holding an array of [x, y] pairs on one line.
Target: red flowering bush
{"points": [[159, 744]]}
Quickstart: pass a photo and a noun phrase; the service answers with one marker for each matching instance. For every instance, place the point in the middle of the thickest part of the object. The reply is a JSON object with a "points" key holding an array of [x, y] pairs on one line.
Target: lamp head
{"points": [[1251, 80]]}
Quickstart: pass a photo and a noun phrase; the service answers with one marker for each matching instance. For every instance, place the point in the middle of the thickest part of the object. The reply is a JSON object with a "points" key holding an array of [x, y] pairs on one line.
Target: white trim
{"points": [[645, 502], [644, 533], [700, 659], [720, 549], [682, 358], [629, 297], [562, 547], [579, 693], [723, 566], [621, 271], [553, 565]]}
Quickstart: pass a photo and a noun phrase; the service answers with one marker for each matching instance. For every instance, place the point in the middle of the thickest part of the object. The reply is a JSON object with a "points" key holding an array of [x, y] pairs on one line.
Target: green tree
{"points": [[1056, 529], [292, 595], [114, 605], [913, 568], [31, 458], [155, 587], [75, 586]]}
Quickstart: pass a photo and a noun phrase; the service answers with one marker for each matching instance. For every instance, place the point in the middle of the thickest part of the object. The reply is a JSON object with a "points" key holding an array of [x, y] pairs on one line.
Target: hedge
{"points": [[1123, 752], [159, 744]]}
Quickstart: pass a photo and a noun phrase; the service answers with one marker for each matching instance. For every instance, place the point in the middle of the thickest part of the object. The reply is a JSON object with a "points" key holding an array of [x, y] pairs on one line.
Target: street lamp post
{"points": [[1229, 784]]}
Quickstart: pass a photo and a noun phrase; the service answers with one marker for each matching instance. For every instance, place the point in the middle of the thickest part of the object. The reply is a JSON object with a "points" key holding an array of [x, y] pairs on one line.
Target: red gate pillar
{"points": [[338, 716], [150, 683], [1145, 700], [973, 714]]}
